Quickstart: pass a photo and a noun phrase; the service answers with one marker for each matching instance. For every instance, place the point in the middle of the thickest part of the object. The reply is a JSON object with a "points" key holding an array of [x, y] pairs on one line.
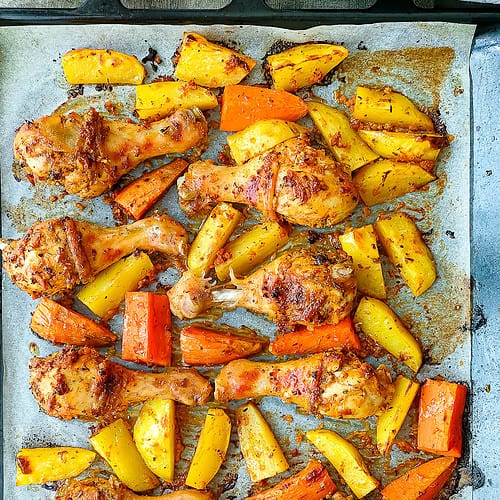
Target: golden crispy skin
{"points": [[81, 383], [307, 285], [57, 254], [333, 384], [292, 180], [100, 488], [87, 153]]}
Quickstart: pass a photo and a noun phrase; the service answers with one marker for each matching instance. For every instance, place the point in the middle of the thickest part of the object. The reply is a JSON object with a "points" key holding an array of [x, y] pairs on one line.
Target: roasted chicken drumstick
{"points": [[292, 180], [333, 384], [55, 255], [87, 153], [81, 383], [307, 286], [100, 488]]}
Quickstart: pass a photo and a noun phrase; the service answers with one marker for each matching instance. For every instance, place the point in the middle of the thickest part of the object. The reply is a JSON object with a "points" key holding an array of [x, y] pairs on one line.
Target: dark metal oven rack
{"points": [[258, 12]]}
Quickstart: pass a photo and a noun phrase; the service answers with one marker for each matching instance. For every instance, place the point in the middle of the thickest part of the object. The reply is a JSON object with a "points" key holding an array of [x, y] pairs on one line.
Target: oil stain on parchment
{"points": [[419, 72]]}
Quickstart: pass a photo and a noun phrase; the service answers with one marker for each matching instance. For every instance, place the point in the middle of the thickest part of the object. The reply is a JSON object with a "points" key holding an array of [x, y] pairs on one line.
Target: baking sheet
{"points": [[32, 85]]}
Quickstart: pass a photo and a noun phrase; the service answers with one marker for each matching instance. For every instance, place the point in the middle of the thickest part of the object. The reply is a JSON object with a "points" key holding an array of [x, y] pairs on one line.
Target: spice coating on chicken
{"points": [[57, 254], [87, 153], [81, 383], [332, 384], [100, 488], [307, 286], [292, 180]]}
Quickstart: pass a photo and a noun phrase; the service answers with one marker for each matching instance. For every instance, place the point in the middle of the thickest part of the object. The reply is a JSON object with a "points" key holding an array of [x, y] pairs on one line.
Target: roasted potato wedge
{"points": [[384, 180], [386, 106], [261, 136], [210, 450], [154, 436], [102, 66], [250, 249], [404, 146], [42, 465], [407, 251], [361, 244], [303, 65], [377, 320], [212, 236], [115, 444], [157, 100], [390, 421], [344, 142], [262, 452], [210, 65], [346, 459], [104, 295]]}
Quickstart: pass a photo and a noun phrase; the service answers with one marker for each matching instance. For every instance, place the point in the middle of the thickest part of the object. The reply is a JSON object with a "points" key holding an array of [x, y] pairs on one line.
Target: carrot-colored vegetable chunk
{"points": [[440, 417], [423, 482], [147, 335], [313, 482], [243, 105], [61, 325], [321, 338], [140, 195], [205, 346]]}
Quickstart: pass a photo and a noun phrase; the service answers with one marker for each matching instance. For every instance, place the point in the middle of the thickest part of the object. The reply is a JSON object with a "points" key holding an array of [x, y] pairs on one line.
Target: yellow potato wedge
{"points": [[361, 244], [407, 251], [346, 459], [115, 444], [303, 65], [404, 146], [157, 100], [384, 180], [261, 451], [212, 236], [210, 65], [104, 295], [250, 249], [344, 142], [390, 421], [377, 320], [210, 450], [261, 136], [389, 107], [102, 66], [42, 465], [154, 436]]}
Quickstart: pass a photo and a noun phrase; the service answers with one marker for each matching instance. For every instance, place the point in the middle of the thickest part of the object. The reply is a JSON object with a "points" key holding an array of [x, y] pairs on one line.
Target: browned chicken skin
{"points": [[293, 180], [333, 384], [81, 383], [87, 153], [55, 255], [100, 488], [303, 286]]}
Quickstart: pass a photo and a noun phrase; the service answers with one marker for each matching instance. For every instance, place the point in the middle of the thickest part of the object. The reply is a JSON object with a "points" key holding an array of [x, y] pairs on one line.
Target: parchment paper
{"points": [[32, 85]]}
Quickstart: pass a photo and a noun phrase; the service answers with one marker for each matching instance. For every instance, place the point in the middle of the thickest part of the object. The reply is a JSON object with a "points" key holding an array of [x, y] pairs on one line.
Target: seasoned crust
{"points": [[49, 258]]}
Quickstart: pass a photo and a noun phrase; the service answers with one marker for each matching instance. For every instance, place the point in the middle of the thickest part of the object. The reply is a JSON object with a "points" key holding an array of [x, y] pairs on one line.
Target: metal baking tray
{"points": [[478, 464]]}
